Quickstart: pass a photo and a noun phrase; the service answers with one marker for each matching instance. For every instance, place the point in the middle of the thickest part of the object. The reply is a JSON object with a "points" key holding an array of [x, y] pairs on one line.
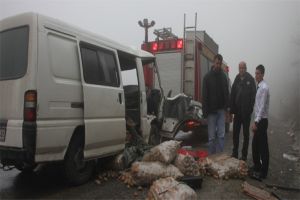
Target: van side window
{"points": [[99, 66], [13, 52], [109, 65], [63, 56]]}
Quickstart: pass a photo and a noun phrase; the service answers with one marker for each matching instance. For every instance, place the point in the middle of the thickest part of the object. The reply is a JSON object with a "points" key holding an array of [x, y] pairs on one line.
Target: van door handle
{"points": [[120, 98]]}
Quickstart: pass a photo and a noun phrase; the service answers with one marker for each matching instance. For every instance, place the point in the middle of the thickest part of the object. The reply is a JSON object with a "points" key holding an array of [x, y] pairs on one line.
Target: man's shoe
{"points": [[255, 175], [262, 176]]}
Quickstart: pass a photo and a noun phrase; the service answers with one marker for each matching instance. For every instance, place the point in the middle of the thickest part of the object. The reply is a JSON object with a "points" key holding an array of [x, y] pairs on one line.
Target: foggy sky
{"points": [[257, 32]]}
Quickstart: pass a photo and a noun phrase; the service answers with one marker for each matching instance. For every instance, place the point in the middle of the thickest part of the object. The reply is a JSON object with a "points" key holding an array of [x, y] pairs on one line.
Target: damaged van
{"points": [[66, 94]]}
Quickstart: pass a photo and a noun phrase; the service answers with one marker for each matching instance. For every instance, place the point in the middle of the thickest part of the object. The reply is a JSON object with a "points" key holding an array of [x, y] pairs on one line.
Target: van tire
{"points": [[77, 171]]}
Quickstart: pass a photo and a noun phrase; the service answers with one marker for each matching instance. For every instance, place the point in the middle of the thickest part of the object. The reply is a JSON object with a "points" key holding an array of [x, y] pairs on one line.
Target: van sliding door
{"points": [[104, 106]]}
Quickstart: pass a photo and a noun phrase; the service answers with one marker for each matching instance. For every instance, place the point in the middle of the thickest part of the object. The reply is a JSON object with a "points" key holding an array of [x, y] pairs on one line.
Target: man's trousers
{"points": [[239, 121], [260, 148]]}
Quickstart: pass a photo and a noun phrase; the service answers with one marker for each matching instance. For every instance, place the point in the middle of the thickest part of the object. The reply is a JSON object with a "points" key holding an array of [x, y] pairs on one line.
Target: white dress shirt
{"points": [[262, 100]]}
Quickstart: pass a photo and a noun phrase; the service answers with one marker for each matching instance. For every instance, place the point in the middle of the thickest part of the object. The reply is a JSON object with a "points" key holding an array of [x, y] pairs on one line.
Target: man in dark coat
{"points": [[215, 95], [241, 105]]}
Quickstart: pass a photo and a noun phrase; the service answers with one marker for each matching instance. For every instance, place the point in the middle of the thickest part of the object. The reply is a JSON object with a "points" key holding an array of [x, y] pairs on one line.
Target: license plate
{"points": [[2, 134]]}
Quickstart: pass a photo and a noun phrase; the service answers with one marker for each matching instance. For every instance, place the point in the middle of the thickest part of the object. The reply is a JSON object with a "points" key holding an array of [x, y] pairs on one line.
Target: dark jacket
{"points": [[215, 92], [243, 95]]}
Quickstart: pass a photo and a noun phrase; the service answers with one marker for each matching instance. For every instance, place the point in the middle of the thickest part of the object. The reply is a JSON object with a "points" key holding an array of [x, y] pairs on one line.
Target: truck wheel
{"points": [[77, 171]]}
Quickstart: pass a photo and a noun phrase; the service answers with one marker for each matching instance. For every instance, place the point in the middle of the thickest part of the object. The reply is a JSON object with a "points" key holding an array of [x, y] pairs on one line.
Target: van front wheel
{"points": [[77, 170]]}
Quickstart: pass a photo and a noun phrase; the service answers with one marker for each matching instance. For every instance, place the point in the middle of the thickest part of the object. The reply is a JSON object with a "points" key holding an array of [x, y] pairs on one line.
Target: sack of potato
{"points": [[223, 166], [164, 152], [145, 173], [170, 189], [187, 165]]}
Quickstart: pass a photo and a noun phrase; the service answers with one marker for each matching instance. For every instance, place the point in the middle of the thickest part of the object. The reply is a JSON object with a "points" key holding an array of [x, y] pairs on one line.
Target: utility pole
{"points": [[146, 25]]}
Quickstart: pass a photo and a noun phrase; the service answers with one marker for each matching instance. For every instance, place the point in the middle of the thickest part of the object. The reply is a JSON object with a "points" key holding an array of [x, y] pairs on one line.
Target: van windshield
{"points": [[13, 52]]}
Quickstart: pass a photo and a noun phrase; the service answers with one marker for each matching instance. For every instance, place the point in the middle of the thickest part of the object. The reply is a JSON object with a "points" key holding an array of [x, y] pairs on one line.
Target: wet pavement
{"points": [[48, 183]]}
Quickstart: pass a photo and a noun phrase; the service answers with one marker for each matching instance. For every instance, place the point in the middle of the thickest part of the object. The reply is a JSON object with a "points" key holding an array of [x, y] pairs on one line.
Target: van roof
{"points": [[76, 31]]}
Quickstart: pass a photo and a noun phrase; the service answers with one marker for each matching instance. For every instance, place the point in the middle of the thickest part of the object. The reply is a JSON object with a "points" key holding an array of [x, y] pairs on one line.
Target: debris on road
{"points": [[257, 193], [170, 189], [127, 179], [97, 181], [140, 188], [118, 162], [290, 157], [283, 187], [105, 176], [290, 133]]}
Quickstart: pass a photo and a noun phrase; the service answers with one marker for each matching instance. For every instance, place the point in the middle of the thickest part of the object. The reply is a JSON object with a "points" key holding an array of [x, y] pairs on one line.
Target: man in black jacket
{"points": [[215, 94], [241, 105]]}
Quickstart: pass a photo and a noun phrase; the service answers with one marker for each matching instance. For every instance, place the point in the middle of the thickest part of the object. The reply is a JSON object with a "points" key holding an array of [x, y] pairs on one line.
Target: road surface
{"points": [[48, 182]]}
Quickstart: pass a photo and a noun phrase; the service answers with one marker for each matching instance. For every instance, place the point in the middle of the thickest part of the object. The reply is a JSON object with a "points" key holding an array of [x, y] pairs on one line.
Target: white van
{"points": [[62, 94]]}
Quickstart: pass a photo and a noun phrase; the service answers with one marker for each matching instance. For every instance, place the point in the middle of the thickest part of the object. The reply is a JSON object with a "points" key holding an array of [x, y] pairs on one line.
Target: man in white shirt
{"points": [[260, 149]]}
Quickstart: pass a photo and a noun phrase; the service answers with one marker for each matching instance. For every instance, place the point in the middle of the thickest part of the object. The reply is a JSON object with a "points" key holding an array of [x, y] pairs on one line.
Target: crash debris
{"points": [[257, 193], [105, 176], [127, 179], [290, 157]]}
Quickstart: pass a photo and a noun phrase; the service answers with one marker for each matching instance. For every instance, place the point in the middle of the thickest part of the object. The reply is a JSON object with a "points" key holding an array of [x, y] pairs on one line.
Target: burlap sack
{"points": [[164, 152], [145, 173], [170, 189], [187, 165]]}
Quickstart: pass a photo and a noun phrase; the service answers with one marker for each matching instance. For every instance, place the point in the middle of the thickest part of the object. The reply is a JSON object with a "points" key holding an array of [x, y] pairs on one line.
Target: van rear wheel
{"points": [[77, 170]]}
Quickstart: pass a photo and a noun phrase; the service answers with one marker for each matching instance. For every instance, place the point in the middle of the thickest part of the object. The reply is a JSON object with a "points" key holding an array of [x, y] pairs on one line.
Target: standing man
{"points": [[241, 105], [260, 149], [215, 96]]}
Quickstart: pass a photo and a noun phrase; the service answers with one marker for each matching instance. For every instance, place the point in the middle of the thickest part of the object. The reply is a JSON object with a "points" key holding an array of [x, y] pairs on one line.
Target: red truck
{"points": [[182, 62]]}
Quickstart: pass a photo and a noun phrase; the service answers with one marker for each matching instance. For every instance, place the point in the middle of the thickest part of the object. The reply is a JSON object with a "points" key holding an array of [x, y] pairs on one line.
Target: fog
{"points": [[257, 32]]}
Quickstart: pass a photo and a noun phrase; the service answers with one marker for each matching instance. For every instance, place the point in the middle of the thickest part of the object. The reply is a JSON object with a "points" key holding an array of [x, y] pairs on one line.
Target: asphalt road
{"points": [[48, 182]]}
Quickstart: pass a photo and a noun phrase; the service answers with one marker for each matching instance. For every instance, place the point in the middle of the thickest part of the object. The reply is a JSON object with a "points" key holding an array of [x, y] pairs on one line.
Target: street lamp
{"points": [[146, 25]]}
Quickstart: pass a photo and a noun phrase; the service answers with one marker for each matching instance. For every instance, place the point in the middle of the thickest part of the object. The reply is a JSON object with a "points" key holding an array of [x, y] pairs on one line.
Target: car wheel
{"points": [[77, 170]]}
